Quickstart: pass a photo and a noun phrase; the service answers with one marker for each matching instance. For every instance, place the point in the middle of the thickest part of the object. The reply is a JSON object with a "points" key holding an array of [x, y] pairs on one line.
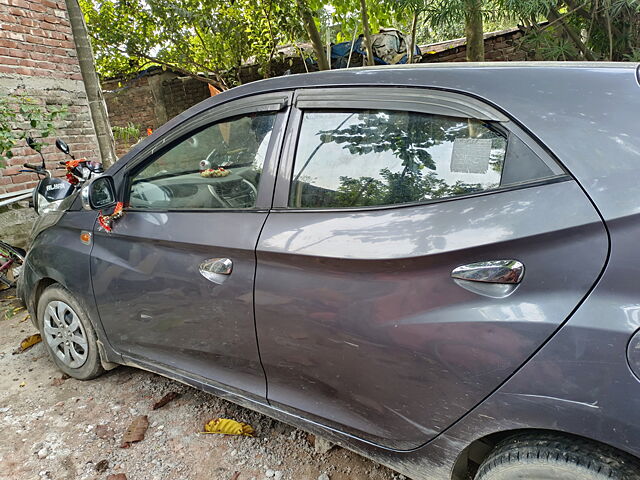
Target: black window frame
{"points": [[418, 100], [276, 103]]}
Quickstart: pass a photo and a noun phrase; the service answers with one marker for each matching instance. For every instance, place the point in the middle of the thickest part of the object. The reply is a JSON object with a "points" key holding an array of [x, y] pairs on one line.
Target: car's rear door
{"points": [[174, 280], [383, 197]]}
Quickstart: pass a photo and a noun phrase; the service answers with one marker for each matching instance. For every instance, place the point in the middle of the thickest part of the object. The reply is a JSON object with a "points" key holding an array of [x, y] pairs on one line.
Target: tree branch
{"points": [[314, 35], [555, 16]]}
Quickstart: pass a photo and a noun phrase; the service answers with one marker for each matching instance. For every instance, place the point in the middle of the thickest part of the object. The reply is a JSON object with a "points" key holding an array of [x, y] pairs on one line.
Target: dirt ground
{"points": [[55, 428]]}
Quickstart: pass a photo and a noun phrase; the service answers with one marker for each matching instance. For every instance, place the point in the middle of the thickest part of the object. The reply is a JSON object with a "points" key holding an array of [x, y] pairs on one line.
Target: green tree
{"points": [[204, 38], [590, 30], [311, 28], [415, 8], [354, 16]]}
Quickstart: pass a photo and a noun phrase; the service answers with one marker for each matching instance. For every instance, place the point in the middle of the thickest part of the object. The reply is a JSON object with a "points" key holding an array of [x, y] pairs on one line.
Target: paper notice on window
{"points": [[471, 155]]}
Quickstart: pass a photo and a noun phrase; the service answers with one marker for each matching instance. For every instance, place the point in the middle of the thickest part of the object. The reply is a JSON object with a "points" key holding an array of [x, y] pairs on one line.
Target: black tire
{"points": [[549, 456], [76, 359], [16, 254]]}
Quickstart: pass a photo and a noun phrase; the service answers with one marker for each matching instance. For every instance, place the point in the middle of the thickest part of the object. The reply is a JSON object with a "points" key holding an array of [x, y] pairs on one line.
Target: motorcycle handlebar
{"points": [[32, 167]]}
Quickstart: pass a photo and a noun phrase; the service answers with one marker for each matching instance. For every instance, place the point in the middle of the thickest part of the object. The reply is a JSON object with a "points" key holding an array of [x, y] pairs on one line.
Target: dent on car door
{"points": [[174, 280], [360, 324]]}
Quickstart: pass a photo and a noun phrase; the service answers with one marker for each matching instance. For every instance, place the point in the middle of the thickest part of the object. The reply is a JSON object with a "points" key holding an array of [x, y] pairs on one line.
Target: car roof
{"points": [[416, 72]]}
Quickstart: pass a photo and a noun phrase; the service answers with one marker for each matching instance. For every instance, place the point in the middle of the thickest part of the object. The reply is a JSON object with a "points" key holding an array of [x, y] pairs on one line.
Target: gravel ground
{"points": [[56, 428]]}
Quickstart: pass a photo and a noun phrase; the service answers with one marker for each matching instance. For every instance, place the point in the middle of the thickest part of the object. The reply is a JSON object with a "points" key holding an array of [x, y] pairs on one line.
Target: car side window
{"points": [[216, 167], [379, 157]]}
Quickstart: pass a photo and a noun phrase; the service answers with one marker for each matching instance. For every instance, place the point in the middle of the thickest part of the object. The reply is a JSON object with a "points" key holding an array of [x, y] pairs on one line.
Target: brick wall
{"points": [[498, 46], [131, 103], [38, 59], [183, 92], [149, 101]]}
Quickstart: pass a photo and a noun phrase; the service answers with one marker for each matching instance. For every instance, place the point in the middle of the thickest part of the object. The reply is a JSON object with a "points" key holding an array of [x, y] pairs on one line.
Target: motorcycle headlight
{"points": [[45, 206]]}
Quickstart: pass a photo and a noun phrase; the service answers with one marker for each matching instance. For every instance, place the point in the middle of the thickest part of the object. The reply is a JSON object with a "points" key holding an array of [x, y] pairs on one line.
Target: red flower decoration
{"points": [[106, 221]]}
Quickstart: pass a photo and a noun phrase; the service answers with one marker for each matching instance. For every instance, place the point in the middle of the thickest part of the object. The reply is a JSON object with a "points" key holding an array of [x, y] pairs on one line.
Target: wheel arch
{"points": [[40, 286], [39, 289], [470, 459]]}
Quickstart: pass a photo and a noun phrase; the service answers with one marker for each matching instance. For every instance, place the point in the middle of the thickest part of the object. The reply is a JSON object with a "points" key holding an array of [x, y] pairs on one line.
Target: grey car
{"points": [[434, 266]]}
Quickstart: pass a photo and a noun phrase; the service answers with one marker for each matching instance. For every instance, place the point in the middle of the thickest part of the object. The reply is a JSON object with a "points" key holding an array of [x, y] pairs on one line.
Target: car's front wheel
{"points": [[549, 456], [68, 334]]}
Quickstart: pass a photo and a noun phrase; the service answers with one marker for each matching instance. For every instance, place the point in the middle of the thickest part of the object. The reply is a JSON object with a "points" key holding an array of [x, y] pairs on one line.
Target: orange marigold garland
{"points": [[214, 172], [71, 164], [106, 221]]}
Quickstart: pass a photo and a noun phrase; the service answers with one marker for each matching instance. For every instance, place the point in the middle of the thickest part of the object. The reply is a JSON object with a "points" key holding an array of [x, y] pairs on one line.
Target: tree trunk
{"points": [[314, 35], [474, 30], [97, 107], [412, 40], [367, 32]]}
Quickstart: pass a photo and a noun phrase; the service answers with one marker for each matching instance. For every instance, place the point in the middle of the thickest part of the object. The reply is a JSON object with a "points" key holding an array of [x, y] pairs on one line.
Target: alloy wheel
{"points": [[65, 334]]}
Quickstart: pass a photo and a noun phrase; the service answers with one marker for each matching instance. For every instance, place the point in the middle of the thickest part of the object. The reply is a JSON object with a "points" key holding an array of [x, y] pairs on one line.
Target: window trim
{"points": [[332, 99], [508, 188], [276, 103], [435, 102]]}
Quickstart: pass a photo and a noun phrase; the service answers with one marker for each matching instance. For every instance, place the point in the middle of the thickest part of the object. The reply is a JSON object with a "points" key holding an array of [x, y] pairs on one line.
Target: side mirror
{"points": [[32, 143], [62, 146], [99, 193]]}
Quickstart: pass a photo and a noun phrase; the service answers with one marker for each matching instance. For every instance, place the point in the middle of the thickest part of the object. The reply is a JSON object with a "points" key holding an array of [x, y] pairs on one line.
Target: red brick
{"points": [[11, 171], [8, 61], [15, 188], [16, 28], [8, 43], [19, 3], [36, 7], [25, 71], [34, 39]]}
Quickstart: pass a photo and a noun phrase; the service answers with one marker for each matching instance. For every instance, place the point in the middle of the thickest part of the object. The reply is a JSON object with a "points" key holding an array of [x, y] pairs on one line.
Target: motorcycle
{"points": [[51, 191]]}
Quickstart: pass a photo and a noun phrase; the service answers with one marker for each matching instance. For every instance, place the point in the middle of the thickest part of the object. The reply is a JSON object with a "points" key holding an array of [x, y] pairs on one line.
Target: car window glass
{"points": [[217, 167], [376, 157], [522, 164]]}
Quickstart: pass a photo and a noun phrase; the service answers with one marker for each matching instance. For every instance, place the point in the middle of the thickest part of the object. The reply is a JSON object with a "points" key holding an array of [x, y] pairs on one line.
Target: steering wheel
{"points": [[244, 190]]}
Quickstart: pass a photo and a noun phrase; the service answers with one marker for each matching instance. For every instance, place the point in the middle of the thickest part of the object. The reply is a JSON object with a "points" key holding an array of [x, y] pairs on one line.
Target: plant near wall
{"points": [[597, 29], [129, 133], [22, 117]]}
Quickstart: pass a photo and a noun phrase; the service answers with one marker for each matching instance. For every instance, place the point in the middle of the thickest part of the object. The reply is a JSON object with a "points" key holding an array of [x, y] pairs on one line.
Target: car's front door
{"points": [[174, 279], [376, 310]]}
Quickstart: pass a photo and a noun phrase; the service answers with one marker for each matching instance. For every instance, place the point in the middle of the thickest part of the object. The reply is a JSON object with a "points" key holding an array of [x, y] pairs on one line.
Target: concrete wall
{"points": [[38, 59]]}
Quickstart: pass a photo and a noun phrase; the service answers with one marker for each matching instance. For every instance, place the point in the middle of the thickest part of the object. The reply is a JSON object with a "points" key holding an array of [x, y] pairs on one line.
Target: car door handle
{"points": [[493, 278], [493, 271], [216, 270]]}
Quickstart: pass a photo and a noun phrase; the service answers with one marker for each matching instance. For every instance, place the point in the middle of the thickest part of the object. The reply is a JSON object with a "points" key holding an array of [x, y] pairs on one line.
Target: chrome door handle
{"points": [[216, 270], [494, 278], [493, 271]]}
